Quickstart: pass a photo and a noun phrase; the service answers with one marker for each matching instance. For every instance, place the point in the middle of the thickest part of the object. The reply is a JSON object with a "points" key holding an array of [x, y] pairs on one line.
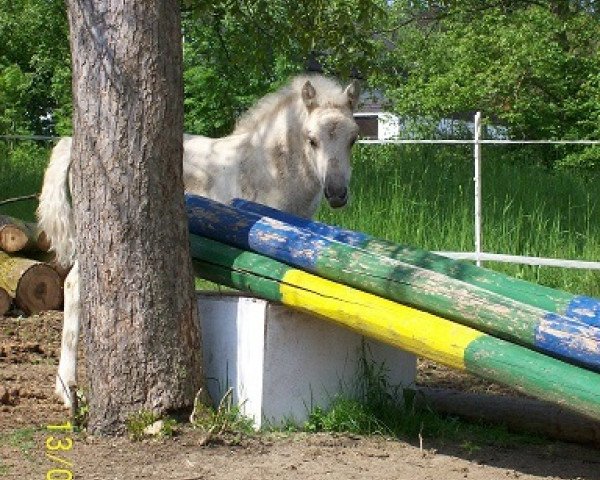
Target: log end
{"points": [[40, 289], [43, 242], [12, 238]]}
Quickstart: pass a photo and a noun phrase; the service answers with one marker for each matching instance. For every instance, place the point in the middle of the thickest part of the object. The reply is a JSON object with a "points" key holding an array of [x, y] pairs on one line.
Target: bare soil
{"points": [[29, 350]]}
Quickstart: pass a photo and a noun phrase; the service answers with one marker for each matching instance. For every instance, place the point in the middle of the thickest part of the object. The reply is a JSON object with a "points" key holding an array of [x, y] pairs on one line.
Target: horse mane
{"points": [[329, 92]]}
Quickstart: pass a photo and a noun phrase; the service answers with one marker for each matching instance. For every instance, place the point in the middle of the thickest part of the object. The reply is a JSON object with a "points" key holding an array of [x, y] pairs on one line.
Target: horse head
{"points": [[329, 134]]}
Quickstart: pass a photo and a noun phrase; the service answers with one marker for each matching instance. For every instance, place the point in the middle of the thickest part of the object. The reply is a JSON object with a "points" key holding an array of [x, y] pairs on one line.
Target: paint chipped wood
{"points": [[424, 334], [432, 291]]}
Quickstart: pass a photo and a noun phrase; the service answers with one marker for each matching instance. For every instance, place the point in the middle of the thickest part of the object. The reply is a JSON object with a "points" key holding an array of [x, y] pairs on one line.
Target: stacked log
{"points": [[5, 301], [17, 235], [28, 277]]}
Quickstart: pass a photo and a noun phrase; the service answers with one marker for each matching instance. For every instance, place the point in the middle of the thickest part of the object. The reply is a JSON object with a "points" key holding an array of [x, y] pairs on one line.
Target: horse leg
{"points": [[67, 366]]}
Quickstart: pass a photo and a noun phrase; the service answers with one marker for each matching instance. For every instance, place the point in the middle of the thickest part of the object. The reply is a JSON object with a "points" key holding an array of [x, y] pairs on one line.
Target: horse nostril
{"points": [[337, 194], [337, 197]]}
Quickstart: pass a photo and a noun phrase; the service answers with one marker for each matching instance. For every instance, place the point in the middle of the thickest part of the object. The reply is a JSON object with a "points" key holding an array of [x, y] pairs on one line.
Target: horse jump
{"points": [[288, 151]]}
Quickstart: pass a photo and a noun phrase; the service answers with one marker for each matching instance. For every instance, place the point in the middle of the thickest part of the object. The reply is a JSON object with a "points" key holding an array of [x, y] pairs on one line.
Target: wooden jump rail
{"points": [[580, 307], [427, 334], [562, 337], [404, 327]]}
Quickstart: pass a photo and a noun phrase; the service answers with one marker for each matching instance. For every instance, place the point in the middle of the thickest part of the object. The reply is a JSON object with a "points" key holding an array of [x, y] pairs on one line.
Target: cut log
{"points": [[49, 258], [35, 286], [5, 301], [16, 235], [518, 414]]}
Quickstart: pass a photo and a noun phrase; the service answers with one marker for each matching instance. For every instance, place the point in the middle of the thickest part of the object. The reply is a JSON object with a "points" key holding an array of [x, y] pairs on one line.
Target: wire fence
{"points": [[478, 255]]}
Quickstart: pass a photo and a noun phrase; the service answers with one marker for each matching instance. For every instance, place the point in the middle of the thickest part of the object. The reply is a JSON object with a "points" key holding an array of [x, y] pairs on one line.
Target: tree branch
{"points": [[18, 199]]}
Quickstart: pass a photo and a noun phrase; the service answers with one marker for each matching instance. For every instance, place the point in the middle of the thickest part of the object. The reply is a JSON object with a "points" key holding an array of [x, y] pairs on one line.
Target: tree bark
{"points": [[138, 309]]}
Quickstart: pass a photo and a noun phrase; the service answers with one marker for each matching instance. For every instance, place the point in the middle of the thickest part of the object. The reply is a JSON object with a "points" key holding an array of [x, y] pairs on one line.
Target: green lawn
{"points": [[423, 196]]}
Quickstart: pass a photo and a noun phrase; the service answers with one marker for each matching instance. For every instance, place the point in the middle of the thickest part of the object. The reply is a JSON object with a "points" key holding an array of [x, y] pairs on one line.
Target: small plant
{"points": [[227, 419], [375, 407], [80, 411], [148, 424], [371, 406], [347, 416]]}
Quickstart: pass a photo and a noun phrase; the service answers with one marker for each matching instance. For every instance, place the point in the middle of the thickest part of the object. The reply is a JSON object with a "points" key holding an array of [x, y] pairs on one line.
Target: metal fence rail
{"points": [[479, 255]]}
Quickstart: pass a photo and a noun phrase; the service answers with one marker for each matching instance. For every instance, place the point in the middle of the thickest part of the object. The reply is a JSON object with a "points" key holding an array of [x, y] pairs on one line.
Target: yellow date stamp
{"points": [[58, 442]]}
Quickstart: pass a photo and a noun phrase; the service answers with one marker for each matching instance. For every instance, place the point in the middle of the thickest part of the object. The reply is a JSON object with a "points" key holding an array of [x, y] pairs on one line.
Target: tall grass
{"points": [[423, 196], [22, 167]]}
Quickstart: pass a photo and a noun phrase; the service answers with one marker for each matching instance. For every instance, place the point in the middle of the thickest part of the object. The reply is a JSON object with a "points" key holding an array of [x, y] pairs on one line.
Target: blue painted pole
{"points": [[486, 311], [579, 307]]}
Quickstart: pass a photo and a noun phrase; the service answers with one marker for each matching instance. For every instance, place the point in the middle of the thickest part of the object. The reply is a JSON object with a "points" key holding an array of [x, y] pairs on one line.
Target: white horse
{"points": [[288, 151]]}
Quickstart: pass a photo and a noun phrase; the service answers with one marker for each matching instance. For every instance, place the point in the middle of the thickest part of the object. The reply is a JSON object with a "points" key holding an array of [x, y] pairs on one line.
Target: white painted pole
{"points": [[477, 179]]}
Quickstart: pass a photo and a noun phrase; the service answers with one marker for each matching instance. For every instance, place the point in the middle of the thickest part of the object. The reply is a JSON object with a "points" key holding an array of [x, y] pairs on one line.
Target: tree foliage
{"points": [[236, 51], [35, 81], [532, 65], [529, 64]]}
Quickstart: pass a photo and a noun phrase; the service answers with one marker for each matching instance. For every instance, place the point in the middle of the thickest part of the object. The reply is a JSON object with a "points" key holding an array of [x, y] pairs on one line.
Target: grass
{"points": [[22, 439], [422, 195], [22, 167], [374, 407], [227, 420], [137, 424]]}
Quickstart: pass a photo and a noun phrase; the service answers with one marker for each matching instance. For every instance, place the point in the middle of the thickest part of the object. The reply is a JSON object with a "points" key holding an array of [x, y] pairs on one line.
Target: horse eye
{"points": [[313, 142]]}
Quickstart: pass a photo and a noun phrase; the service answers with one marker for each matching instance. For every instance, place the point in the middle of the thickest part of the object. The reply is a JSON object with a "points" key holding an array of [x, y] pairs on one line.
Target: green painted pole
{"points": [[579, 307], [424, 289], [404, 327]]}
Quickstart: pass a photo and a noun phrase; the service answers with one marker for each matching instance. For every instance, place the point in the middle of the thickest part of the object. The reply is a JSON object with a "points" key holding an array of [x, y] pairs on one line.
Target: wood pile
{"points": [[29, 278]]}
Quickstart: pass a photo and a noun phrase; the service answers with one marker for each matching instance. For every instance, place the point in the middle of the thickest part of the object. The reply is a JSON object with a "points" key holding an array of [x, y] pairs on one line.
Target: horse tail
{"points": [[55, 214]]}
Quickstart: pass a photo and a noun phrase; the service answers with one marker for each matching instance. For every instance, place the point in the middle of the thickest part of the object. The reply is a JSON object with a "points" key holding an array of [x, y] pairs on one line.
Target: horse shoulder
{"points": [[211, 166]]}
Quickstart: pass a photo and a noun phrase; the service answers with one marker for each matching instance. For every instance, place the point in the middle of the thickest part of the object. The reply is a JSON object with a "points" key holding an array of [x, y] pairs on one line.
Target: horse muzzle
{"points": [[336, 197]]}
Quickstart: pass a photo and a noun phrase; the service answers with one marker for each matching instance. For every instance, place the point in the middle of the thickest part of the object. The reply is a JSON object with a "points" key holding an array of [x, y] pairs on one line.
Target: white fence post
{"points": [[477, 179]]}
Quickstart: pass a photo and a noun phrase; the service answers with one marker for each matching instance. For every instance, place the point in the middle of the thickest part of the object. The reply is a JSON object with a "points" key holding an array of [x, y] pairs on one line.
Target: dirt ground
{"points": [[29, 350]]}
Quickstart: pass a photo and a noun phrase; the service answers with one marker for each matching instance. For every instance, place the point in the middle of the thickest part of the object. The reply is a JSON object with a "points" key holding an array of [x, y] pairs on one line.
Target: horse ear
{"points": [[352, 92], [309, 95]]}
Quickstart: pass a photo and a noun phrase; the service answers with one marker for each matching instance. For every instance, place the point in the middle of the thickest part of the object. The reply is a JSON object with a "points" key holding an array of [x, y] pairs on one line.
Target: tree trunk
{"points": [[138, 308]]}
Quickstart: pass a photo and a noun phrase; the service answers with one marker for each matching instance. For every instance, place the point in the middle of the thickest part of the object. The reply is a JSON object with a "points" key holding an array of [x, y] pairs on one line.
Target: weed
{"points": [[374, 407], [81, 410], [148, 424], [227, 419]]}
